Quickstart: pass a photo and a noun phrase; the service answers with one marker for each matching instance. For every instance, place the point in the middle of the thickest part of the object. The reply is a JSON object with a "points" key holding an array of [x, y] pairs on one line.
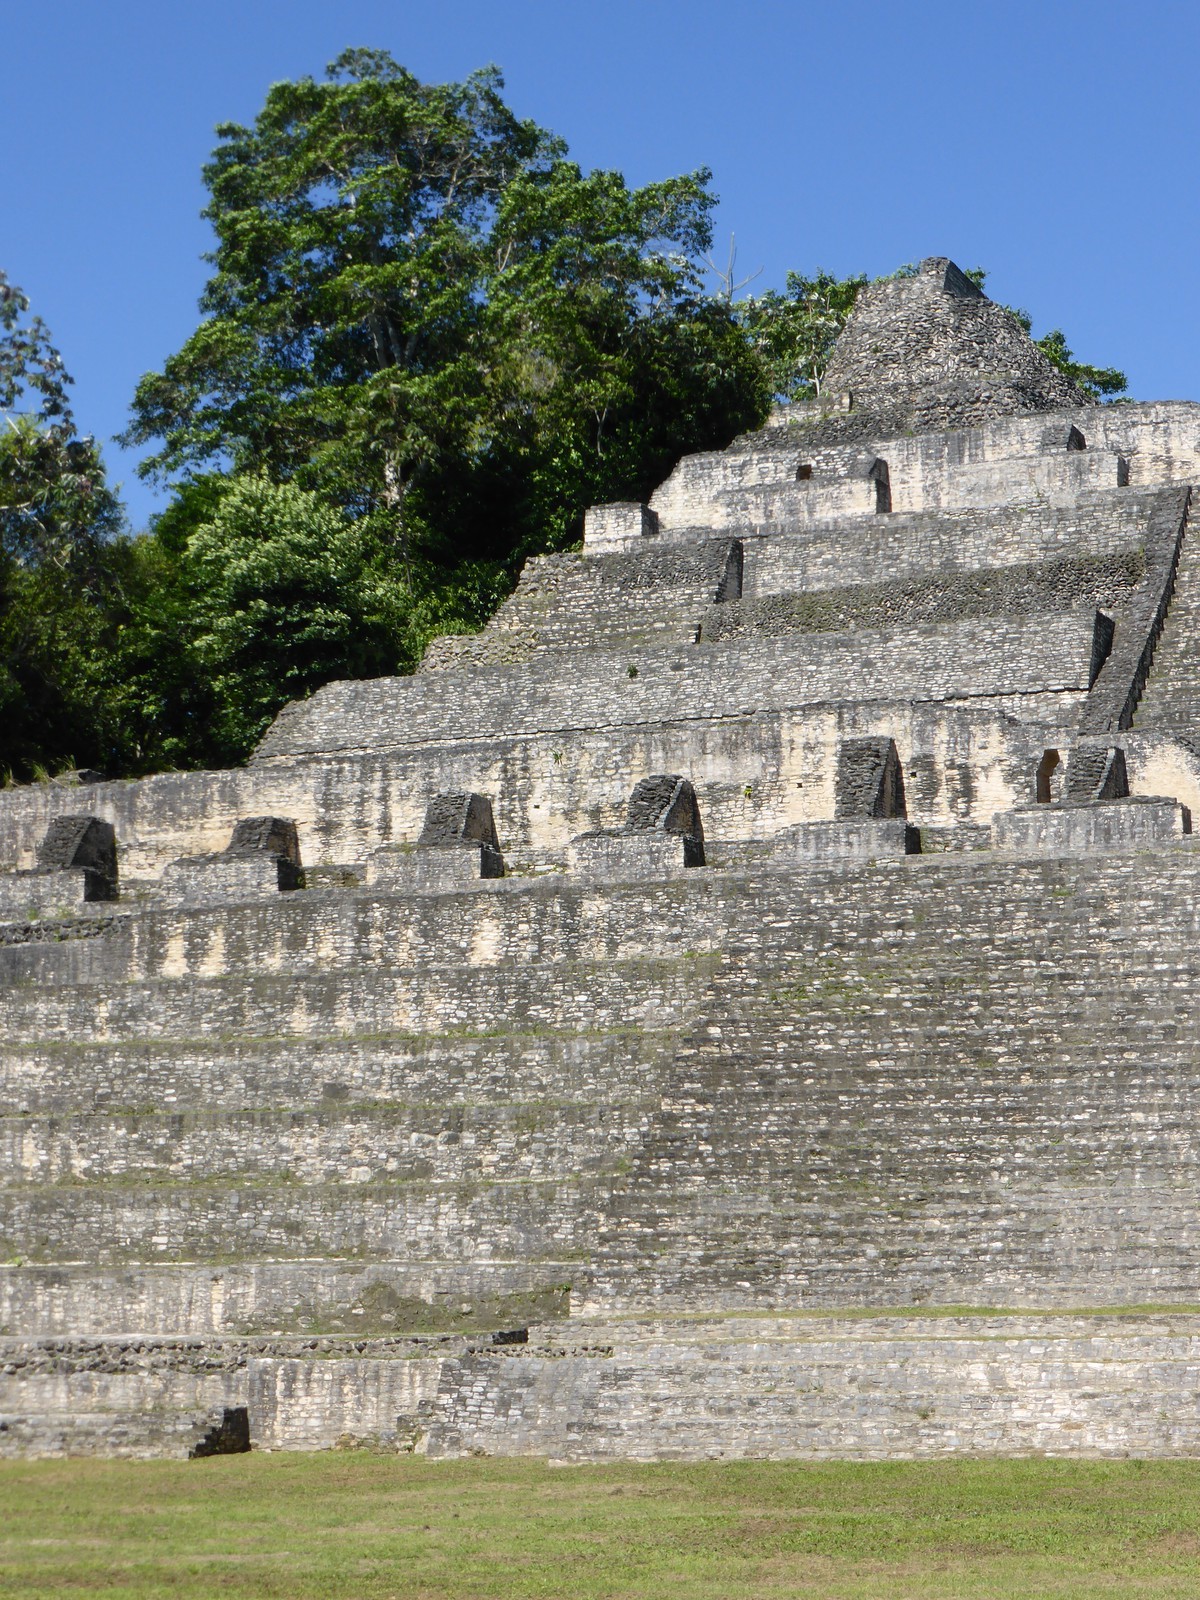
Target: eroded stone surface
{"points": [[609, 1156]]}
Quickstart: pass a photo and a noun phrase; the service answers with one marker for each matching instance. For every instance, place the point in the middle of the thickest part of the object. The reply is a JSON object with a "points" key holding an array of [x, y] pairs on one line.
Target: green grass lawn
{"points": [[366, 1526]]}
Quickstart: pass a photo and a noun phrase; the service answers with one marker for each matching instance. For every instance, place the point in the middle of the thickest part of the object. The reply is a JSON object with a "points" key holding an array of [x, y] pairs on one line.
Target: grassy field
{"points": [[362, 1527]]}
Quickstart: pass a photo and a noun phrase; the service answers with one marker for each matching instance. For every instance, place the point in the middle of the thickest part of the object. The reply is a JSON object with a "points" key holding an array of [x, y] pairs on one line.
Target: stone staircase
{"points": [[1171, 700], [948, 1082], [328, 1114], [821, 1148]]}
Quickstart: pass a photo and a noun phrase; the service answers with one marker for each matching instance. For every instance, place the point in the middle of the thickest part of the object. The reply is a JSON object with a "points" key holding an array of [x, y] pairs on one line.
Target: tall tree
{"points": [[412, 288], [59, 602], [794, 333], [286, 593], [55, 504]]}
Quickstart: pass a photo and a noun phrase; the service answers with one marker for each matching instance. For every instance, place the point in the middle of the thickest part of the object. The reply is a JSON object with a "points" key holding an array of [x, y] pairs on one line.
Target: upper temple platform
{"points": [[953, 548]]}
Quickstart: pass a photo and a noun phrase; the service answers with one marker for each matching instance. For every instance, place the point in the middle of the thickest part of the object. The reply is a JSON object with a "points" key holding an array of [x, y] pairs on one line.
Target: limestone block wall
{"points": [[824, 480], [1038, 660], [828, 1079], [340, 1002], [239, 1299], [1160, 441], [904, 546], [1054, 476], [547, 789], [819, 1388], [304, 1405], [943, 1080]]}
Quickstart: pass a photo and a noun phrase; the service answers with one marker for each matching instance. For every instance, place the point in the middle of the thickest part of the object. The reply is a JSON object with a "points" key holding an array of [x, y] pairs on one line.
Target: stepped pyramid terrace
{"points": [[741, 1003]]}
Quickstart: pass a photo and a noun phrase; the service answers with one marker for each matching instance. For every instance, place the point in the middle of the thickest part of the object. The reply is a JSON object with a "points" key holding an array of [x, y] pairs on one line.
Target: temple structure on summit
{"points": [[739, 1003]]}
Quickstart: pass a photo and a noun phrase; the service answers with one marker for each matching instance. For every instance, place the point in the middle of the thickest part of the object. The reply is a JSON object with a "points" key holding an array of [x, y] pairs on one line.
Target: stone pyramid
{"points": [[740, 1003]]}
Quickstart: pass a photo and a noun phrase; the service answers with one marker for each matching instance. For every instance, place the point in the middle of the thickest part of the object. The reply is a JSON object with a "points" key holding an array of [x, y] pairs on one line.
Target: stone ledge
{"points": [[1092, 826]]}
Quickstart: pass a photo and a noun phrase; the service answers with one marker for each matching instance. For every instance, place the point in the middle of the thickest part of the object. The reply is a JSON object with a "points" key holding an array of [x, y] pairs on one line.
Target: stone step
{"points": [[644, 595], [560, 917], [275, 1298], [237, 1075], [564, 997], [1030, 589], [525, 921], [1027, 665], [913, 545], [160, 1220], [1013, 1240], [532, 1141]]}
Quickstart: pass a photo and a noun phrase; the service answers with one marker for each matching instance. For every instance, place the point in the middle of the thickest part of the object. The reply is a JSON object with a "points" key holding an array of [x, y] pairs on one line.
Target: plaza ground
{"points": [[354, 1526]]}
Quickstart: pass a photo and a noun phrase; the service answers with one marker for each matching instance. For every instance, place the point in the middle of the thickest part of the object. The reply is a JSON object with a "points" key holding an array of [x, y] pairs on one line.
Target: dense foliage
{"points": [[428, 343]]}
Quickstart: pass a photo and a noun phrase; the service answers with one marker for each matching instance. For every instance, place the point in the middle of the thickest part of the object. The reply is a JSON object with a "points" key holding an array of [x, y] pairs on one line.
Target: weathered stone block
{"points": [[643, 854], [667, 803], [77, 863], [29, 895], [617, 526], [1090, 826], [223, 877], [82, 843], [663, 834], [1096, 772], [870, 780], [457, 846], [265, 835], [455, 818], [845, 840], [430, 868], [262, 857]]}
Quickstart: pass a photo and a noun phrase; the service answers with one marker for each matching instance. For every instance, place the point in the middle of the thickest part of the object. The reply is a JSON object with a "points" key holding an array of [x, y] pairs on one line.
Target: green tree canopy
{"points": [[412, 285], [794, 333], [58, 584], [286, 592], [55, 504]]}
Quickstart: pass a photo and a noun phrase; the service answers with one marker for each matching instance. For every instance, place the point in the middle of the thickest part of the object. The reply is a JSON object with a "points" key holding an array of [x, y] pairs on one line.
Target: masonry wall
{"points": [[963, 1082], [964, 763], [883, 1389], [1040, 660], [635, 1164]]}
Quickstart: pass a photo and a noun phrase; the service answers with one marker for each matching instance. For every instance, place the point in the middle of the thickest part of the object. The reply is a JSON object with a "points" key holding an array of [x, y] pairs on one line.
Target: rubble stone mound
{"points": [[740, 1003]]}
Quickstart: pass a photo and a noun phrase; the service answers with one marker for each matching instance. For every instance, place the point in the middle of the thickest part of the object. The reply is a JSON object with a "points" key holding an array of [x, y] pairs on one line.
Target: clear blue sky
{"points": [[1053, 143]]}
